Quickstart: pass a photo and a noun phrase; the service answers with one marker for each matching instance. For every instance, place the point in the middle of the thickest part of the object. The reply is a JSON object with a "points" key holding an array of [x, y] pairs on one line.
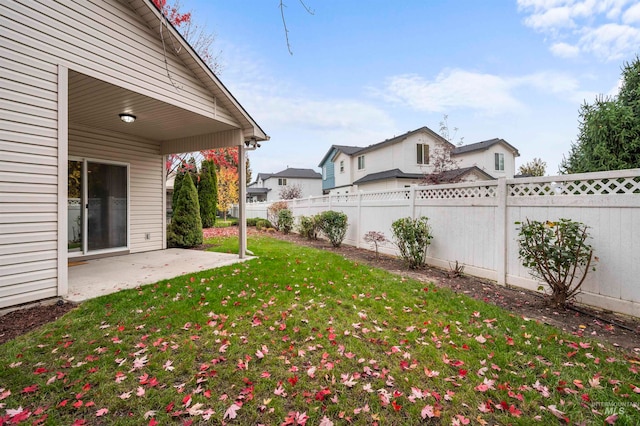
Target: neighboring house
{"points": [[76, 180], [405, 160], [267, 186]]}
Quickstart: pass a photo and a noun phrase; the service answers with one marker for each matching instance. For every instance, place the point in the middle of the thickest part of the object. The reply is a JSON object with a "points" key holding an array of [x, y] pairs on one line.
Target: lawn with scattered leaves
{"points": [[300, 336]]}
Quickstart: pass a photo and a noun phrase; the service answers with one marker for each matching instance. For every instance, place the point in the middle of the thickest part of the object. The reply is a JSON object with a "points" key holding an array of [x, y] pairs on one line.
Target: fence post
{"points": [[501, 231], [359, 221], [412, 201]]}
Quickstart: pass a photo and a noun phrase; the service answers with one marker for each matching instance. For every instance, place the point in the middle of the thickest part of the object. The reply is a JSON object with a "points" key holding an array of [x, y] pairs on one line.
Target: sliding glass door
{"points": [[98, 206]]}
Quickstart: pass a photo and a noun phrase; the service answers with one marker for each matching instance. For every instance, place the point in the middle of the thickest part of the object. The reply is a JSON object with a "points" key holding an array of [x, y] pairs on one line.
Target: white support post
{"points": [[501, 231], [242, 197], [63, 179]]}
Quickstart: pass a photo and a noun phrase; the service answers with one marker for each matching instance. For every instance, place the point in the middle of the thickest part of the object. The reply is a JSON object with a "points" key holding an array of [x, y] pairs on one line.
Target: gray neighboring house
{"points": [[95, 94], [267, 186]]}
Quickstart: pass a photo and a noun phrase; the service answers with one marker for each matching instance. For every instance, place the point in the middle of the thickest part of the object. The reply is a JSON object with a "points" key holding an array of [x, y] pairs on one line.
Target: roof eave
{"points": [[250, 128]]}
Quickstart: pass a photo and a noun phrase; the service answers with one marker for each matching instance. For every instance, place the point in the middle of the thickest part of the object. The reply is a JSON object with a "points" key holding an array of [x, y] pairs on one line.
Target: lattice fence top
{"points": [[346, 198], [386, 196], [459, 192], [604, 186]]}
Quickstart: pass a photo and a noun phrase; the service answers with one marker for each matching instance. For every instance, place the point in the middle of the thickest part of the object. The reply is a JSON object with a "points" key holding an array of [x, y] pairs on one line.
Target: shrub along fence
{"points": [[475, 224]]}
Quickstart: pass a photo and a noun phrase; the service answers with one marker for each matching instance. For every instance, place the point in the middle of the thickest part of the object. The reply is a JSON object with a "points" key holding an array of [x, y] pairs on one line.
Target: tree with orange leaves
{"points": [[228, 193]]}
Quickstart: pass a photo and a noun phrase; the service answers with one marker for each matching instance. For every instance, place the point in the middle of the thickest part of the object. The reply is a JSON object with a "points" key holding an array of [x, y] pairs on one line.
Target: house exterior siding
{"points": [[107, 40], [484, 160], [307, 186], [91, 37]]}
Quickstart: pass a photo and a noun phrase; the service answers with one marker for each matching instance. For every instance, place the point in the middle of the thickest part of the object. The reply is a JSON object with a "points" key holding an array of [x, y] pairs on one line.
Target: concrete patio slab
{"points": [[93, 278]]}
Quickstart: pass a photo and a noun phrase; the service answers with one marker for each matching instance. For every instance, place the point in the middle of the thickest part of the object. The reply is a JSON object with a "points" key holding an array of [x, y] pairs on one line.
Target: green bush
{"points": [[186, 226], [412, 237], [309, 226], [556, 253], [251, 221], [285, 220], [334, 226], [263, 224]]}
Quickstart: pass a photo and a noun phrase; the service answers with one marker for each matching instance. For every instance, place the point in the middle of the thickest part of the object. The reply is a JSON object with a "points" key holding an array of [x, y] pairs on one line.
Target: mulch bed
{"points": [[619, 330]]}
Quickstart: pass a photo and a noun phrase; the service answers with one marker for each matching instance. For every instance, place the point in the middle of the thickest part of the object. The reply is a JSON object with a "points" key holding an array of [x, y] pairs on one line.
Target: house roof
{"points": [[447, 176], [152, 16], [333, 151], [256, 191], [455, 174], [263, 176], [388, 174], [481, 146], [351, 150], [400, 138], [297, 173]]}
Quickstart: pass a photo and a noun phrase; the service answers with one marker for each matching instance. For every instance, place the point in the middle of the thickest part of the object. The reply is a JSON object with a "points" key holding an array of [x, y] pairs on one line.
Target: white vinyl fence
{"points": [[475, 224]]}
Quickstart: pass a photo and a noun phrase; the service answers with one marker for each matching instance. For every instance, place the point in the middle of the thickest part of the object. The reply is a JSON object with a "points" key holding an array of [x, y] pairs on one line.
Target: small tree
{"points": [[375, 239], [227, 189], [535, 167], [290, 192], [412, 237], [185, 229], [556, 253], [273, 212], [334, 226], [208, 193]]}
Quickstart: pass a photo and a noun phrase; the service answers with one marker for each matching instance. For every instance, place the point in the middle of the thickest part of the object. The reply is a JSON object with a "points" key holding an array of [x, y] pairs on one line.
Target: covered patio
{"points": [[97, 277]]}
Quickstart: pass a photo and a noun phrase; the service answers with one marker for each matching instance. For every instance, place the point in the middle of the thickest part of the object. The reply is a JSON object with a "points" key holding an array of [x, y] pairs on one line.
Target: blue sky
{"points": [[365, 71]]}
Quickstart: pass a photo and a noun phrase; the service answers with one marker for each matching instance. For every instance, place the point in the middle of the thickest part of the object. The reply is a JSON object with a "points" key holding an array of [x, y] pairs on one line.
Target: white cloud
{"points": [[611, 41], [485, 93], [452, 89], [608, 29], [565, 50], [632, 15], [557, 17]]}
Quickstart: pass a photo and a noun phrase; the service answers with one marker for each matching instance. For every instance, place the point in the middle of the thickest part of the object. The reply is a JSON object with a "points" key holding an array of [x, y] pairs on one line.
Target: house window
{"points": [[422, 153], [361, 162], [342, 166], [499, 159], [282, 181]]}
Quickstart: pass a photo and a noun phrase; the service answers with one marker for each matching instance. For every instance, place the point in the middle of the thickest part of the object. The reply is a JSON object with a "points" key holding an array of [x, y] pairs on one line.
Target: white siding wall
{"points": [[145, 173], [310, 187], [91, 36], [103, 39], [346, 177], [485, 161]]}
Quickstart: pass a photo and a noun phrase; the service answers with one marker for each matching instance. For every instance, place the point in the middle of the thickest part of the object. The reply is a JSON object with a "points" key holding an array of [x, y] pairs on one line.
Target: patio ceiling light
{"points": [[127, 118]]}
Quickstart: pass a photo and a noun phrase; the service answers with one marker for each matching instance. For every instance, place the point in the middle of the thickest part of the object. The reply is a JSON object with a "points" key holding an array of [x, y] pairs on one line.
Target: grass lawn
{"points": [[304, 336]]}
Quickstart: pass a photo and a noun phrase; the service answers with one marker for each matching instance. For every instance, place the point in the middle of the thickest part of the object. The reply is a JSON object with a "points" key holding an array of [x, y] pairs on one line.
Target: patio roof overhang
{"points": [[97, 104]]}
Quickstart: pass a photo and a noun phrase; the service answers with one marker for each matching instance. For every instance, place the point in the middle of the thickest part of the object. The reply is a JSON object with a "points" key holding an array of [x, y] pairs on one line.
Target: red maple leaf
{"points": [[30, 389], [293, 380], [396, 406]]}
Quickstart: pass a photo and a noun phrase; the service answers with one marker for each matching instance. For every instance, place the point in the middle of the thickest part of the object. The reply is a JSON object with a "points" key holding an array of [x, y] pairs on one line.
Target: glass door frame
{"points": [[85, 213]]}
